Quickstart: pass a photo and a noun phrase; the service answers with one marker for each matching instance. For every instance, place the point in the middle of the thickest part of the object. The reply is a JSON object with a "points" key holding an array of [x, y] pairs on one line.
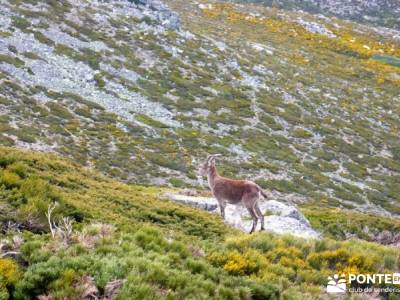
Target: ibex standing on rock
{"points": [[231, 191]]}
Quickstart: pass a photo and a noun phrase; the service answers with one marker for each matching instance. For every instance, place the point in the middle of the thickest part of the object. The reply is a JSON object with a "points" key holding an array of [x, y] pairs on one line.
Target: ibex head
{"points": [[206, 166]]}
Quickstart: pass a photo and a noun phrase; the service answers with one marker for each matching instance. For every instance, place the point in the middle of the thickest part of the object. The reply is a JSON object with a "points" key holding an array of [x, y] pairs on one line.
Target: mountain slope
{"points": [[306, 106], [379, 13], [126, 243]]}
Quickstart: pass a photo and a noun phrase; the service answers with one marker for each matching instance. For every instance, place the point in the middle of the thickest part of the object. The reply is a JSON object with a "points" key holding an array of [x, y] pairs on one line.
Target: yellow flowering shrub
{"points": [[296, 263], [384, 73], [348, 41], [238, 263], [9, 271], [289, 262], [333, 259], [341, 259], [282, 251]]}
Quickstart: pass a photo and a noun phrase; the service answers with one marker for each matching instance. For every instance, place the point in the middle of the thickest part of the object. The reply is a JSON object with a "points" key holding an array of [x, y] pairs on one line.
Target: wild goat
{"points": [[231, 191]]}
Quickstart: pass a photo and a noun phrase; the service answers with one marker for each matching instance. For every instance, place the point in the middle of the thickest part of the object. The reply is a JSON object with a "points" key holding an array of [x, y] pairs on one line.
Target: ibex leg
{"points": [[248, 201], [260, 215], [222, 206]]}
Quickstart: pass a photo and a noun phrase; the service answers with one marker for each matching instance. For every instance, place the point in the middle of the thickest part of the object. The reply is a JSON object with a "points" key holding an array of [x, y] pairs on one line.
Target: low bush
{"points": [[287, 261], [340, 224]]}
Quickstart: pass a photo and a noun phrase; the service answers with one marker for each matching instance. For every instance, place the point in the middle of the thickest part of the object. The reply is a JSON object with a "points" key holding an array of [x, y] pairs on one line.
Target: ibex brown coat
{"points": [[231, 191]]}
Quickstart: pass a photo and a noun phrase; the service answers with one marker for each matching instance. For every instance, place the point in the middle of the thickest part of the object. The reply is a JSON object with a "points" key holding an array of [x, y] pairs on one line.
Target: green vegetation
{"points": [[9, 276], [42, 38], [341, 224], [21, 23], [31, 55], [149, 121], [125, 236], [176, 182], [15, 61], [99, 80], [32, 179], [296, 266], [387, 60], [383, 15]]}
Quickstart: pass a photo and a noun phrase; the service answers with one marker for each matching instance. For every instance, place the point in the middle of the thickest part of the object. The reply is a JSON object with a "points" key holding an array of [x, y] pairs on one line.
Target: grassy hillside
{"points": [[129, 244]]}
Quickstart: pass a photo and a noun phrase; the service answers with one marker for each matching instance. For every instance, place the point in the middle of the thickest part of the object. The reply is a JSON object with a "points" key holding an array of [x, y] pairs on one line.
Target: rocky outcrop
{"points": [[388, 238], [167, 17], [314, 27], [279, 217]]}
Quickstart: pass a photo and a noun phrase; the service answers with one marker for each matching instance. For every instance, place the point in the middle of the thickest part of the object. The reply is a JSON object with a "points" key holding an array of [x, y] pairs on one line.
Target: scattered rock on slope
{"points": [[279, 217]]}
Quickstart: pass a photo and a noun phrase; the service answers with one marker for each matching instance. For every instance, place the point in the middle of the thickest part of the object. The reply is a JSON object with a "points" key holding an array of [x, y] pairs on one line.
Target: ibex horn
{"points": [[213, 156]]}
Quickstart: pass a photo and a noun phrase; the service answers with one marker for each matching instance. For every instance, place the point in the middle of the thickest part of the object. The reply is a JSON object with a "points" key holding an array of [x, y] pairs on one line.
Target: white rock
{"points": [[314, 27], [205, 6], [281, 218], [206, 203]]}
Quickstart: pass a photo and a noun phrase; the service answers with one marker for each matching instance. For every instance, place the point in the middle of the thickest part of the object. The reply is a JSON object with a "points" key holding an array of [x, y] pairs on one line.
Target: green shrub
{"points": [[43, 39], [15, 61], [338, 224], [10, 179], [150, 238], [21, 23], [25, 136], [7, 159], [60, 111], [263, 291], [136, 289], [19, 168], [301, 133], [99, 80], [31, 55], [293, 294], [37, 278], [176, 182], [67, 285], [150, 121], [4, 295]]}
